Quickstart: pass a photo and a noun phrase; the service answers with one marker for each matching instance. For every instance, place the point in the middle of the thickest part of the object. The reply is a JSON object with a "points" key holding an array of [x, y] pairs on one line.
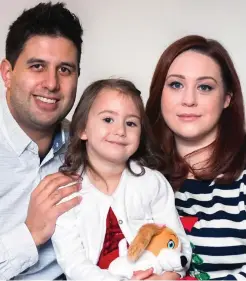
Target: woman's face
{"points": [[193, 98]]}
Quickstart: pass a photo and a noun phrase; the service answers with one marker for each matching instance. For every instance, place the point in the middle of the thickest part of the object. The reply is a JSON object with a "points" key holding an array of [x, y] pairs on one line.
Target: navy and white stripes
{"points": [[219, 235]]}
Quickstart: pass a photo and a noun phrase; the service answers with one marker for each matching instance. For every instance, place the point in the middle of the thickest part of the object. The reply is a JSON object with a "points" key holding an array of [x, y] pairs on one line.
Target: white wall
{"points": [[125, 38]]}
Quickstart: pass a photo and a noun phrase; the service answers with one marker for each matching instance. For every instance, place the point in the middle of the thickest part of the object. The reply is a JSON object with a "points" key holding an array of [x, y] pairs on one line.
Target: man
{"points": [[40, 73]]}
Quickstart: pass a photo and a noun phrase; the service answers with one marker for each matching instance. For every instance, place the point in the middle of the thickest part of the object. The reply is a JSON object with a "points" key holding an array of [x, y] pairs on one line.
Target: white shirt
{"points": [[80, 233], [20, 173]]}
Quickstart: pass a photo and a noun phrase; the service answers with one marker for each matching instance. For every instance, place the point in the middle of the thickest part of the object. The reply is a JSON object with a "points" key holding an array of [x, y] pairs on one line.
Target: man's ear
{"points": [[6, 72], [228, 98]]}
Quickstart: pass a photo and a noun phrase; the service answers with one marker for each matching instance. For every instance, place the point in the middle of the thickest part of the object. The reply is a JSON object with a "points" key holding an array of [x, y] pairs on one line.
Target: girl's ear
{"points": [[83, 135], [6, 72]]}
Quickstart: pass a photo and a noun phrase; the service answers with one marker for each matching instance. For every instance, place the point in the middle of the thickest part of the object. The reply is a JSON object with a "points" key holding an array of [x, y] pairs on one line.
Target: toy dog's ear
{"points": [[142, 240]]}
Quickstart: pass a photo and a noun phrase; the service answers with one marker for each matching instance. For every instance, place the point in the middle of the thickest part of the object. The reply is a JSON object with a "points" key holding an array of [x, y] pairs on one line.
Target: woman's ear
{"points": [[6, 72], [228, 98]]}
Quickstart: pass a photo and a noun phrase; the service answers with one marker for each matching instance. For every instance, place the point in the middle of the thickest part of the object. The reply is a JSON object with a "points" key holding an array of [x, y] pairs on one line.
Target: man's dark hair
{"points": [[43, 19]]}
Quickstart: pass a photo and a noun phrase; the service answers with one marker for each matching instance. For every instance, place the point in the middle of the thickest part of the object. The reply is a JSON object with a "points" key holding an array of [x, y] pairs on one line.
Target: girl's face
{"points": [[113, 128], [193, 98]]}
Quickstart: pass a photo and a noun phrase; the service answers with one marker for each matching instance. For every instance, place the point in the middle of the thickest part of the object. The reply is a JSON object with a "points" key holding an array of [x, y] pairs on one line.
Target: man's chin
{"points": [[44, 125]]}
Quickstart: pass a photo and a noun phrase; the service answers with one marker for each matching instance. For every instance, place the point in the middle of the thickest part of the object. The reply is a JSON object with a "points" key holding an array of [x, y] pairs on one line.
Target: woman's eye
{"points": [[205, 87], [108, 120], [175, 85], [131, 124]]}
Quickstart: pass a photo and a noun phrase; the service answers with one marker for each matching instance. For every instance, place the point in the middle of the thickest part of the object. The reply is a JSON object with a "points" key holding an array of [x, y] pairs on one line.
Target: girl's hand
{"points": [[168, 275], [142, 274]]}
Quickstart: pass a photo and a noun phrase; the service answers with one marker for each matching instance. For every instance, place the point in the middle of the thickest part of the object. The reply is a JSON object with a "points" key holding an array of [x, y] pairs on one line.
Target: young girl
{"points": [[197, 113], [112, 148]]}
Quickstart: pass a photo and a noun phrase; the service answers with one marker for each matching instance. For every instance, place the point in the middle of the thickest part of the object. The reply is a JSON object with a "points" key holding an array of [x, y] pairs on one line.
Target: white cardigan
{"points": [[80, 233]]}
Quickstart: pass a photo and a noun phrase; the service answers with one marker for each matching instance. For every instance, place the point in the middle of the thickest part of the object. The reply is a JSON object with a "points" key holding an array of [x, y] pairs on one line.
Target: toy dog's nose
{"points": [[183, 260]]}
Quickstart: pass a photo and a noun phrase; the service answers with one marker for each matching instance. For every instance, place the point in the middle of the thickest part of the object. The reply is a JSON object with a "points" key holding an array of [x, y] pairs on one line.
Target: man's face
{"points": [[41, 88]]}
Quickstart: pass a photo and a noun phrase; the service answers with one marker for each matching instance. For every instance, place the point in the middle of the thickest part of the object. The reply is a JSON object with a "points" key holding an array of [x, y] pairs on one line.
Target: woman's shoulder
{"points": [[194, 186]]}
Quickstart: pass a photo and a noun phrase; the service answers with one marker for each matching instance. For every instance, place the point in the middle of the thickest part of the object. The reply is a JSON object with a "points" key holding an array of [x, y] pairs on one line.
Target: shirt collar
{"points": [[61, 136], [19, 140]]}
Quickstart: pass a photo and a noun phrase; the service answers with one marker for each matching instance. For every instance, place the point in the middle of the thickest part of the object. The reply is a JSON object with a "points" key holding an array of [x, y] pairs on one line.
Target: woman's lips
{"points": [[188, 116]]}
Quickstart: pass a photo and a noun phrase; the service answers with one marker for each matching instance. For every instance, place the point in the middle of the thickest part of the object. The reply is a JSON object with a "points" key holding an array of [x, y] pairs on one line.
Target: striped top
{"points": [[218, 234]]}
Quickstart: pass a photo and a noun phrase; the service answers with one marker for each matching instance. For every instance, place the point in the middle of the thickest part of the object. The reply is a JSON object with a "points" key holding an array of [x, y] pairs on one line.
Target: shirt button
{"points": [[120, 221]]}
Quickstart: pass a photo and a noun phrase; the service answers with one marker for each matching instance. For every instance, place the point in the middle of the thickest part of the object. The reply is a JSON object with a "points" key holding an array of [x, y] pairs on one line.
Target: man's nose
{"points": [[51, 81]]}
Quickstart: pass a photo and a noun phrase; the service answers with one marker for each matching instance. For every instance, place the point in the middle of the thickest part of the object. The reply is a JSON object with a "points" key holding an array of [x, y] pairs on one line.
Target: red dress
{"points": [[110, 250]]}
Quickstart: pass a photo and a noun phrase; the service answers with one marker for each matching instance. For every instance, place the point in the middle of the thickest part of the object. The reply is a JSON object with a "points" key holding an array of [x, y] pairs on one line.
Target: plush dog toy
{"points": [[154, 246]]}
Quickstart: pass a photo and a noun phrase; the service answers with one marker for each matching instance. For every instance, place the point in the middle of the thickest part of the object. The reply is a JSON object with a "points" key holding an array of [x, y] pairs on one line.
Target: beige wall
{"points": [[125, 38]]}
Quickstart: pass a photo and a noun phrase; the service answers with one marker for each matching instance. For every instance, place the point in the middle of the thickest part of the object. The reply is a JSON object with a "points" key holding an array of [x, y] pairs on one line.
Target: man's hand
{"points": [[44, 209]]}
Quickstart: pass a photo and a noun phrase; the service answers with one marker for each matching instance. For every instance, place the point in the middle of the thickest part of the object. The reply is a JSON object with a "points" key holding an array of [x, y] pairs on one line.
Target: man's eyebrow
{"points": [[35, 60], [69, 64], [63, 63]]}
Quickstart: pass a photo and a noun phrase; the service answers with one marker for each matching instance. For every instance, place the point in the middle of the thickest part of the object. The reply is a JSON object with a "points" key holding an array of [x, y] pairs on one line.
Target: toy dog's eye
{"points": [[170, 244]]}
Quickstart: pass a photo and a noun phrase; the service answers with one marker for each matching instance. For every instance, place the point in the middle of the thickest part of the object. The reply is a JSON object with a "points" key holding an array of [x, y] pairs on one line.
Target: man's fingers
{"points": [[59, 194], [66, 206], [44, 182], [53, 185]]}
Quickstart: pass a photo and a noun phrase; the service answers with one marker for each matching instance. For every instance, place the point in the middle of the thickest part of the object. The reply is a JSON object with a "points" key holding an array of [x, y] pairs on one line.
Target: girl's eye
{"points": [[205, 88], [131, 124], [175, 85], [108, 120], [170, 244]]}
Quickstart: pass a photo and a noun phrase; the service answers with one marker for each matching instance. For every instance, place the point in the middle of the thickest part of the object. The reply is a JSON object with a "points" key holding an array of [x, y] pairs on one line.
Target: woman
{"points": [[197, 114]]}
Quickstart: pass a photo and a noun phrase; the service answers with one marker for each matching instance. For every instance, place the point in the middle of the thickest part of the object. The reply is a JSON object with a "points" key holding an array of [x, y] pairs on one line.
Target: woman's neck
{"points": [[105, 176]]}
